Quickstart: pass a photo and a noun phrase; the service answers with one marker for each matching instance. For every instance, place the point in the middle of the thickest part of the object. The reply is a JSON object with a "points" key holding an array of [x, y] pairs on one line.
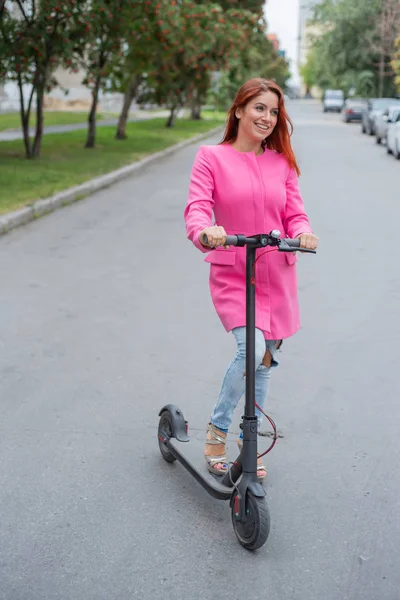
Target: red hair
{"points": [[279, 139]]}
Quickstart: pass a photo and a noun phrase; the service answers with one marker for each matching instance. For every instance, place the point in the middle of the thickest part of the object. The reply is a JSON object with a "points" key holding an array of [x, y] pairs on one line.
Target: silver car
{"points": [[352, 109], [375, 106], [383, 120], [393, 138]]}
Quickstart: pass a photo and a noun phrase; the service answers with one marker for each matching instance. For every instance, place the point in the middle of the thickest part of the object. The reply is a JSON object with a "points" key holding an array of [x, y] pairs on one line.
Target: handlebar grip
{"points": [[295, 243], [231, 240]]}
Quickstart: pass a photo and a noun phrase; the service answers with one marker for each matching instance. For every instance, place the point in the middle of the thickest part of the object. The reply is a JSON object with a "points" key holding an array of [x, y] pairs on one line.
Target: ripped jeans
{"points": [[234, 383]]}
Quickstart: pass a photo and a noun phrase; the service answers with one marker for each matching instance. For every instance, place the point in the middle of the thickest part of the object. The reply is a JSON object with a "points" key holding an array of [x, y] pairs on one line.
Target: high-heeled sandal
{"points": [[213, 461], [260, 467]]}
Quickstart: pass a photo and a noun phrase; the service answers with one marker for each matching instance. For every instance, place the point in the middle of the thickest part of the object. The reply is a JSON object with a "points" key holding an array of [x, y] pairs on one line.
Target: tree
{"points": [[99, 51], [253, 6], [139, 53], [171, 57], [355, 44], [343, 46], [227, 48], [35, 38], [383, 40], [309, 70], [195, 40], [258, 58], [131, 87], [3, 50], [396, 63], [250, 54]]}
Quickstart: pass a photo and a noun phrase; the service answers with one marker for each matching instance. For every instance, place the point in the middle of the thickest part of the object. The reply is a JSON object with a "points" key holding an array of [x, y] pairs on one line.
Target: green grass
{"points": [[13, 120], [217, 114], [65, 162]]}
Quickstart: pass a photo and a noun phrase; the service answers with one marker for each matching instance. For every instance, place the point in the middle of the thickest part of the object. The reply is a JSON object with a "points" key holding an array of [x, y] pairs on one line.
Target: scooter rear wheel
{"points": [[165, 430], [254, 532]]}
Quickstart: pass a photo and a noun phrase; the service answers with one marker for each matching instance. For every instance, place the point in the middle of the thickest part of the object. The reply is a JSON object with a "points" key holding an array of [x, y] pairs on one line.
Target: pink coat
{"points": [[248, 194]]}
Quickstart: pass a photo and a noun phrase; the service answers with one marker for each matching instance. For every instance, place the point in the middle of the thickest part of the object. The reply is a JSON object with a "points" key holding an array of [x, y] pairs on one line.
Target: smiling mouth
{"points": [[262, 127]]}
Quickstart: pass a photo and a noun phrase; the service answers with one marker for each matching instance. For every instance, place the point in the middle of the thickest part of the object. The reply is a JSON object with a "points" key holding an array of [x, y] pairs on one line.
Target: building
{"points": [[273, 38], [305, 14], [306, 29]]}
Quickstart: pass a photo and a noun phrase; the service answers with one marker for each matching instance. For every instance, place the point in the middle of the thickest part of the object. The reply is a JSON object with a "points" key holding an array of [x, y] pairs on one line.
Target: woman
{"points": [[250, 183]]}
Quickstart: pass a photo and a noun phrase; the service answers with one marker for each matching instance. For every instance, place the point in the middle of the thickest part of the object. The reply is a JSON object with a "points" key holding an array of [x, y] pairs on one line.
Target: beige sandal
{"points": [[260, 466], [213, 461]]}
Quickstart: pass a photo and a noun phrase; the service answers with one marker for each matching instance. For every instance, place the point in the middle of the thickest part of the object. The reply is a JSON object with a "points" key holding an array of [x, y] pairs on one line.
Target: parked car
{"points": [[333, 100], [375, 107], [393, 138], [352, 109], [382, 121]]}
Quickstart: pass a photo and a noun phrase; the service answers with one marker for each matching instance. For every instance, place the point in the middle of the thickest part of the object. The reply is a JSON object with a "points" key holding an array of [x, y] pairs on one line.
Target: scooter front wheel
{"points": [[165, 431], [254, 531]]}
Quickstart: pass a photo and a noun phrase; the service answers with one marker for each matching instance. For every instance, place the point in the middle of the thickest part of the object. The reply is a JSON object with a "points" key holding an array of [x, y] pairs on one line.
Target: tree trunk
{"points": [[91, 139], [196, 111], [381, 73], [195, 105], [25, 115], [171, 118], [128, 98], [37, 144]]}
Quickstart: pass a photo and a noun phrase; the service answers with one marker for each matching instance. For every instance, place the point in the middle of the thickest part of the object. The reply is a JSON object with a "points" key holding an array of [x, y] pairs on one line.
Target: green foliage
{"points": [[354, 46], [35, 39], [109, 25], [310, 70], [140, 48], [38, 37], [196, 39], [257, 59], [396, 64], [253, 6], [175, 47]]}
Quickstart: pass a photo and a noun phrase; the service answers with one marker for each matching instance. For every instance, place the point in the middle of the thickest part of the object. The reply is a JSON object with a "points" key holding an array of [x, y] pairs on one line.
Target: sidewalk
{"points": [[16, 134]]}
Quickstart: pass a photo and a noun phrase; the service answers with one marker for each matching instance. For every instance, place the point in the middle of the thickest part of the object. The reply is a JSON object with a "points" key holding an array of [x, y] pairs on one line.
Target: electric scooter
{"points": [[239, 485]]}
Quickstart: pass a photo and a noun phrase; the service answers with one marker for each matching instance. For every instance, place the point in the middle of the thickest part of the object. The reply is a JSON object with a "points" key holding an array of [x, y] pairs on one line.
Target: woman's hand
{"points": [[216, 236], [308, 240]]}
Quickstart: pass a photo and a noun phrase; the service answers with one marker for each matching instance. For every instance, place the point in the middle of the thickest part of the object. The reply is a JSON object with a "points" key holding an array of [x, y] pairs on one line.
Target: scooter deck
{"points": [[206, 479]]}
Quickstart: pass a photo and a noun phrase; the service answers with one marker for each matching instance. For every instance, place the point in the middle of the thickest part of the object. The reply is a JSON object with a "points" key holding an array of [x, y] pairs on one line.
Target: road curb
{"points": [[45, 206]]}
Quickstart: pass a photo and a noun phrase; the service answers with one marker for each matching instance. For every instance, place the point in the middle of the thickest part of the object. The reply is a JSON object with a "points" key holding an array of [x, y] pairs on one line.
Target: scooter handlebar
{"points": [[282, 244]]}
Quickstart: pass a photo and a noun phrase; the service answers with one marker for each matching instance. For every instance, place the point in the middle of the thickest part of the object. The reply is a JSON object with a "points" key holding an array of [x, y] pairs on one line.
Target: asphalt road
{"points": [[105, 316]]}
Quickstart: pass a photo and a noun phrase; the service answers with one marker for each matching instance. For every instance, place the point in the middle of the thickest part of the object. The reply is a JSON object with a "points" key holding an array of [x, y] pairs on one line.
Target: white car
{"points": [[382, 121], [393, 138], [333, 100]]}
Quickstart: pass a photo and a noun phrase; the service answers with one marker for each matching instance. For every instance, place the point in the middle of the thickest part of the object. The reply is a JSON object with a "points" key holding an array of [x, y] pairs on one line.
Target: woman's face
{"points": [[258, 118]]}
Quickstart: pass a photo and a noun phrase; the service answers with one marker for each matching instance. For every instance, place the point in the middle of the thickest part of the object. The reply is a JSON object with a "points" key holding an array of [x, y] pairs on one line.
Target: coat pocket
{"points": [[291, 258], [221, 257]]}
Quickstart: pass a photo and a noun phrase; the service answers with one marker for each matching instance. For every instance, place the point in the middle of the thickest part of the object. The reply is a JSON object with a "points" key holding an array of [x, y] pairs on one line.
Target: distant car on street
{"points": [[383, 121], [374, 108], [352, 109], [393, 138], [333, 100]]}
